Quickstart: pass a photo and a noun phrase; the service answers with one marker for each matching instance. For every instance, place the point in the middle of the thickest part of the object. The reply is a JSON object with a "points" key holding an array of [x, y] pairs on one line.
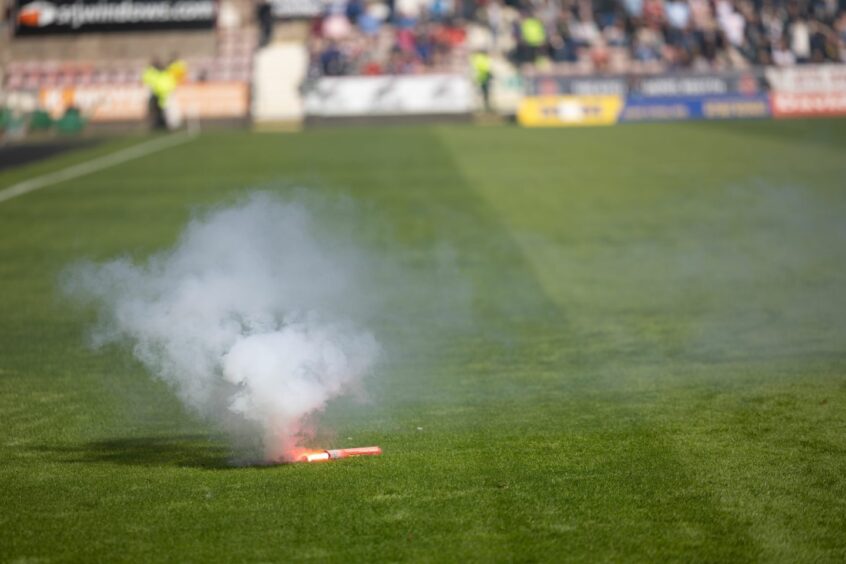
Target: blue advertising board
{"points": [[670, 108]]}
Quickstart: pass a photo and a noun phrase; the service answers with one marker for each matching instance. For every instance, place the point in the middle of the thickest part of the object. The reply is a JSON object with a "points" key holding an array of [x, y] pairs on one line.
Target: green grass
{"points": [[654, 366]]}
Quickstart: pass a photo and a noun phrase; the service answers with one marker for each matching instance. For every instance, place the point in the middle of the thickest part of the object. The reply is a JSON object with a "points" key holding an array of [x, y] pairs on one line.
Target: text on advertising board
{"points": [[557, 111], [73, 16]]}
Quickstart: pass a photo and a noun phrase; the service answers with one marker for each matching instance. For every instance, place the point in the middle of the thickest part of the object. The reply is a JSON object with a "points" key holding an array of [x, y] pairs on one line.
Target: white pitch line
{"points": [[94, 165]]}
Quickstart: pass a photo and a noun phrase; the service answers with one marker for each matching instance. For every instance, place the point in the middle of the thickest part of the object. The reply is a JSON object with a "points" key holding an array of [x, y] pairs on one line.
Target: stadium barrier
{"points": [[815, 90], [389, 96]]}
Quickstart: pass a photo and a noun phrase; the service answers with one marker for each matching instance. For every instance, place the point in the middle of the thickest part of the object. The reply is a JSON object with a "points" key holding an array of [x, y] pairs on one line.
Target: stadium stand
{"points": [[72, 61], [577, 36], [95, 62], [659, 35], [354, 39]]}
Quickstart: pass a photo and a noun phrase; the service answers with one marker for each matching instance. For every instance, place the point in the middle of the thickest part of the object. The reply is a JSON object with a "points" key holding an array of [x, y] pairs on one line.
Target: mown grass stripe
{"points": [[95, 165]]}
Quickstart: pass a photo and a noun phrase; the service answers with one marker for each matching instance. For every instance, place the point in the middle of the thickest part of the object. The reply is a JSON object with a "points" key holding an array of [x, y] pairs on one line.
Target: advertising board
{"points": [[808, 91], [40, 17], [698, 84], [807, 79], [125, 103], [671, 108], [808, 104], [284, 9], [797, 91], [747, 82], [99, 103], [389, 96], [546, 85], [558, 111]]}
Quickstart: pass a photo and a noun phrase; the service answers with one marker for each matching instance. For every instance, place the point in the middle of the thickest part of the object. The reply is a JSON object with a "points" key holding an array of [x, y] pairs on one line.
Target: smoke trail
{"points": [[250, 317]]}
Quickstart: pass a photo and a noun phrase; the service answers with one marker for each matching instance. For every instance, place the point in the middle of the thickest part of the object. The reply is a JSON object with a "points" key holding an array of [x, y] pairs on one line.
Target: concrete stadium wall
{"points": [[278, 72], [97, 46]]}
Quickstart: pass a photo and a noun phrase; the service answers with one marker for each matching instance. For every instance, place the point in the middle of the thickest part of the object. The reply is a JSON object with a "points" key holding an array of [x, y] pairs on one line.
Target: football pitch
{"points": [[635, 352]]}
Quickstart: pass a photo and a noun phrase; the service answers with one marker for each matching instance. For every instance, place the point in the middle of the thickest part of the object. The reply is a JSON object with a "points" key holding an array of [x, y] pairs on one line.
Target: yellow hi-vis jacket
{"points": [[481, 67], [178, 69], [161, 83], [533, 33]]}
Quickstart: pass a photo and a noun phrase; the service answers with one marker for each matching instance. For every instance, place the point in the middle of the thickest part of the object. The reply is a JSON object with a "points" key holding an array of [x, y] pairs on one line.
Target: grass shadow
{"points": [[186, 451]]}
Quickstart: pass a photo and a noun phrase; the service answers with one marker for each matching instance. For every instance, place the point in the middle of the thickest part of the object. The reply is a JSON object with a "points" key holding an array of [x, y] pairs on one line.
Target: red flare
{"points": [[333, 454]]}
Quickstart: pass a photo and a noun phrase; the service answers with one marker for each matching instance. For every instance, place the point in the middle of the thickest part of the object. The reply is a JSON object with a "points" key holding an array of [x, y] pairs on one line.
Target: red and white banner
{"points": [[812, 90], [786, 104]]}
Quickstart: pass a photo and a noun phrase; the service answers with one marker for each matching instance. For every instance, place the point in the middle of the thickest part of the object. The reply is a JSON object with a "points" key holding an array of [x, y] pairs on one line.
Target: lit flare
{"points": [[333, 454]]}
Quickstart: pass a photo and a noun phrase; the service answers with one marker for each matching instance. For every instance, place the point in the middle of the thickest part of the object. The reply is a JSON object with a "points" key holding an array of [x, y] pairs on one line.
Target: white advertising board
{"points": [[389, 96], [808, 79]]}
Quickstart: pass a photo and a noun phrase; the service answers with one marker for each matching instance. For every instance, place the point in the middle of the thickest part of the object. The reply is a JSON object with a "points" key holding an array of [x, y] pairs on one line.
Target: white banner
{"points": [[389, 96], [815, 79], [297, 8]]}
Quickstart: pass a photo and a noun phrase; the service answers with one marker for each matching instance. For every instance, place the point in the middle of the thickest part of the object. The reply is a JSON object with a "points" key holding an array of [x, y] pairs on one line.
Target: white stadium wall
{"points": [[278, 72]]}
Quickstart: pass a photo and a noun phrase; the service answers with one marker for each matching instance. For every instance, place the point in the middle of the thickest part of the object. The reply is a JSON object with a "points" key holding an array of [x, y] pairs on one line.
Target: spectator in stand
{"points": [[370, 21], [840, 31], [782, 55], [6, 25], [731, 23], [634, 8], [653, 14], [800, 39], [495, 18], [441, 10], [412, 36], [354, 10], [562, 45], [773, 23], [332, 61], [531, 38], [547, 13], [615, 35], [648, 45], [336, 26], [678, 19], [264, 16], [177, 68], [584, 29]]}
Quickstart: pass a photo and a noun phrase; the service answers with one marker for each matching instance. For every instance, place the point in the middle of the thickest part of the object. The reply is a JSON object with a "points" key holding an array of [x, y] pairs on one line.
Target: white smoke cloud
{"points": [[251, 317]]}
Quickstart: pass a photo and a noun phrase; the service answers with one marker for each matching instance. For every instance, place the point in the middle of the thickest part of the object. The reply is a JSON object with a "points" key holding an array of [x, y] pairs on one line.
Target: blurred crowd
{"points": [[409, 37], [676, 34], [413, 36]]}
